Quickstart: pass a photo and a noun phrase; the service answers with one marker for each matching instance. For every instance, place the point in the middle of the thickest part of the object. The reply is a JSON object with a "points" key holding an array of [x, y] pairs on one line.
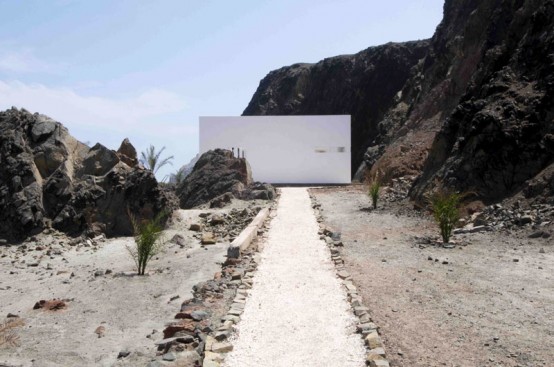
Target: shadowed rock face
{"points": [[363, 85], [471, 108], [219, 175], [497, 129], [48, 178]]}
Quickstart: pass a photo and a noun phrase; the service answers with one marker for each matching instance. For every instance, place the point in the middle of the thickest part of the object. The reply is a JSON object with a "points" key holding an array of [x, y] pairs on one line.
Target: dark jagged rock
{"points": [[48, 178], [218, 176], [472, 108], [499, 133], [363, 85], [127, 153], [216, 172], [258, 190]]}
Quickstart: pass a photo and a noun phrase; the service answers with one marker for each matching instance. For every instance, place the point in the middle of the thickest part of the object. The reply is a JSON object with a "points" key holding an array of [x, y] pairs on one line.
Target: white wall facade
{"points": [[285, 149]]}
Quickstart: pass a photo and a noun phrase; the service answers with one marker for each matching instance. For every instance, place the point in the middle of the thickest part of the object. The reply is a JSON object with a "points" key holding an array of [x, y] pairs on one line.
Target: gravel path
{"points": [[296, 313]]}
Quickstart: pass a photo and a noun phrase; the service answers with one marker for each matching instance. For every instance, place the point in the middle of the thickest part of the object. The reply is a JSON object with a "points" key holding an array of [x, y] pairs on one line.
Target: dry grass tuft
{"points": [[8, 332]]}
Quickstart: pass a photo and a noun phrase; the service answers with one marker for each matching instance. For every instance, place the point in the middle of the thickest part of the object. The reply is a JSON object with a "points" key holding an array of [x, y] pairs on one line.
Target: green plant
{"points": [[445, 205], [152, 161], [179, 176], [374, 188], [148, 240]]}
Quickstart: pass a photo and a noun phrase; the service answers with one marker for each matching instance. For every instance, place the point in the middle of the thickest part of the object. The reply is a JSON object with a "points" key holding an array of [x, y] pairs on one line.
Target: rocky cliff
{"points": [[495, 130], [471, 108], [49, 179]]}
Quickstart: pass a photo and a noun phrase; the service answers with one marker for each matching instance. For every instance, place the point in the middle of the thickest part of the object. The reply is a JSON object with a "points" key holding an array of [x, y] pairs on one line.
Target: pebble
{"points": [[123, 354], [170, 357], [222, 347], [198, 315]]}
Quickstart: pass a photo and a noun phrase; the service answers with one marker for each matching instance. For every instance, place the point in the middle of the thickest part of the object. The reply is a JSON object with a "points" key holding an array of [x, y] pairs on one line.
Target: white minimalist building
{"points": [[285, 149]]}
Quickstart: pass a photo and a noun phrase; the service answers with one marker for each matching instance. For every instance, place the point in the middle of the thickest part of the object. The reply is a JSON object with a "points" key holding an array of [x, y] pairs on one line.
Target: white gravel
{"points": [[296, 313]]}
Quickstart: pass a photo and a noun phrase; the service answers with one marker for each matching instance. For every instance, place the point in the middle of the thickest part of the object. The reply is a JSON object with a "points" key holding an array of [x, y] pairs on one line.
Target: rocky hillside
{"points": [[49, 179], [472, 107]]}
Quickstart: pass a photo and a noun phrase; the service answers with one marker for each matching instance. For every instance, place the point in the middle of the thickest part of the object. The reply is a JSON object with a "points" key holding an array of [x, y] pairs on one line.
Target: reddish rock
{"points": [[231, 261], [50, 305], [185, 325]]}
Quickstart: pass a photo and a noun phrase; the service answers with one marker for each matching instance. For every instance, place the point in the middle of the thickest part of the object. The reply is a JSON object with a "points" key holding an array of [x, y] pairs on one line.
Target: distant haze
{"points": [[146, 70]]}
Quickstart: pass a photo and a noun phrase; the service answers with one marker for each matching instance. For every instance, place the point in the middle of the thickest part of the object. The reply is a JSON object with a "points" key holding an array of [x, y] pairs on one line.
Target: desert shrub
{"points": [[148, 240], [374, 188], [445, 206], [8, 334]]}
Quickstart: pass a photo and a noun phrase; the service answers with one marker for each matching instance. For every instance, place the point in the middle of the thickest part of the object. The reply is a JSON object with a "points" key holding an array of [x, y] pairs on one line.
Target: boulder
{"points": [[222, 200], [258, 191], [217, 177], [98, 161]]}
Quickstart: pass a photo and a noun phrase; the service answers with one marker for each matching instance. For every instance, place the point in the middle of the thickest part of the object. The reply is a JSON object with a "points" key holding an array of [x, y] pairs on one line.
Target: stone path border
{"points": [[245, 238], [194, 337], [296, 314], [217, 344], [214, 344], [376, 356]]}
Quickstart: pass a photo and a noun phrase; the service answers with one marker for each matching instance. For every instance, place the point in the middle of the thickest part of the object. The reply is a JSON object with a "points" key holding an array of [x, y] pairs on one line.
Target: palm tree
{"points": [[178, 176], [151, 159]]}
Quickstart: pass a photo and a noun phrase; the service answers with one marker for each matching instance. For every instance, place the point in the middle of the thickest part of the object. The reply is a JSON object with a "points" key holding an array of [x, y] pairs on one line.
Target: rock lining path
{"points": [[297, 313]]}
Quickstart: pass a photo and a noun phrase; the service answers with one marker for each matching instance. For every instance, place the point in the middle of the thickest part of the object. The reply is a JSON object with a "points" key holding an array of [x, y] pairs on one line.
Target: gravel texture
{"points": [[106, 314], [488, 301], [297, 313]]}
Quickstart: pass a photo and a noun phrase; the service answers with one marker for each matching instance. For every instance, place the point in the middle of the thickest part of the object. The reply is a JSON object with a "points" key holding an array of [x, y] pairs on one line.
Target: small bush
{"points": [[374, 188], [148, 240], [8, 334], [445, 206]]}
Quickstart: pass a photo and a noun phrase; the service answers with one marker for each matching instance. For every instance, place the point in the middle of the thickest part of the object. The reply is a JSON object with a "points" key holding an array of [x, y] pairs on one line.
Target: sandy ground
{"points": [[296, 313], [132, 309], [489, 303]]}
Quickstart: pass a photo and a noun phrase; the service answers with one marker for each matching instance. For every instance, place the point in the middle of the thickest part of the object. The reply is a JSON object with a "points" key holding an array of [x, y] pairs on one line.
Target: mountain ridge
{"points": [[471, 108]]}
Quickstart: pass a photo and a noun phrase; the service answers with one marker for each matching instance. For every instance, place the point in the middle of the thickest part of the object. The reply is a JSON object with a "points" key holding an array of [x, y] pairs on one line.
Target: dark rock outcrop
{"points": [[218, 176], [127, 153], [48, 178], [497, 128], [472, 108], [363, 85]]}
